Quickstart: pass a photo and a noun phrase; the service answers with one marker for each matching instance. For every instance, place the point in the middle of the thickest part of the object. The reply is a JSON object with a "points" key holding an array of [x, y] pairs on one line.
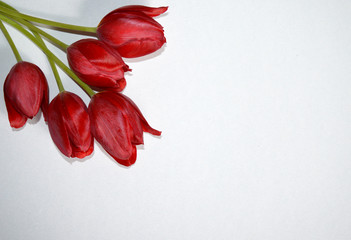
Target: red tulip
{"points": [[132, 30], [118, 125], [97, 64], [25, 91], [69, 125]]}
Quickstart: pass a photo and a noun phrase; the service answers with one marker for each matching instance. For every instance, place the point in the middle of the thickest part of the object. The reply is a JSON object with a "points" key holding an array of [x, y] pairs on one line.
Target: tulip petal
{"points": [[97, 64], [135, 126], [150, 11], [127, 162], [69, 125], [133, 34], [24, 86], [141, 47], [45, 101], [109, 126], [57, 128], [146, 127], [16, 119], [76, 119], [78, 153]]}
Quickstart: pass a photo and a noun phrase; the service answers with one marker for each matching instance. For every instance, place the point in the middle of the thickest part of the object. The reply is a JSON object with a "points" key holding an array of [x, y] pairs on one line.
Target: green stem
{"points": [[52, 64], [59, 63], [48, 22], [7, 6], [12, 44], [31, 27]]}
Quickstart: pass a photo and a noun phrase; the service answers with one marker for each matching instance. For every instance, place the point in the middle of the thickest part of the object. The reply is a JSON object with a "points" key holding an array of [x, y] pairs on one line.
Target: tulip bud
{"points": [[118, 125], [25, 91], [69, 125], [97, 64], [132, 31]]}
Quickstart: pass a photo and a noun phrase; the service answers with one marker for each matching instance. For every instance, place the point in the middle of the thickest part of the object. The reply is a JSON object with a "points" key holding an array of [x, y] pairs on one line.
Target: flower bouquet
{"points": [[96, 65]]}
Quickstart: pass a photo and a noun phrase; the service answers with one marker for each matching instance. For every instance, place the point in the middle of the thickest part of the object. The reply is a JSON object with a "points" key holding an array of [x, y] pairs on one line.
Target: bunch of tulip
{"points": [[97, 66]]}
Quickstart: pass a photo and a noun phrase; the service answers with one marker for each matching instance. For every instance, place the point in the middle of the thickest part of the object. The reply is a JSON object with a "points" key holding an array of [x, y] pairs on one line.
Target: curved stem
{"points": [[63, 46], [59, 63], [52, 64], [56, 41], [7, 6], [12, 44], [47, 22]]}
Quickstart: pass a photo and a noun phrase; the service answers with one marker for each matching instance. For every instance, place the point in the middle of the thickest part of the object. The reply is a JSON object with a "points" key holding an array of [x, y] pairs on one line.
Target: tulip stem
{"points": [[7, 35], [12, 44], [7, 6], [48, 22], [63, 46], [48, 53], [52, 64]]}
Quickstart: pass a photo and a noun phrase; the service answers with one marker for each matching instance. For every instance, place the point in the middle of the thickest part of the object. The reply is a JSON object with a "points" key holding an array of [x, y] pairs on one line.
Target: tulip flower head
{"points": [[97, 64], [25, 91], [132, 30], [69, 125], [118, 125]]}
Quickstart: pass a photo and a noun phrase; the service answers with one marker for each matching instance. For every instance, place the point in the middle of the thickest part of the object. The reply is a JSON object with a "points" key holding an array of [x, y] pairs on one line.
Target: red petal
{"points": [[139, 48], [133, 34], [81, 154], [150, 11], [57, 127], [76, 119], [109, 126], [127, 162], [24, 87], [96, 63], [135, 126], [145, 124], [45, 101], [69, 125], [17, 120]]}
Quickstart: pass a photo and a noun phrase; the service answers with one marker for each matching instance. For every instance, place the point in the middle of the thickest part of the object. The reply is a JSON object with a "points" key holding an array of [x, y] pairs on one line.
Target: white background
{"points": [[254, 101]]}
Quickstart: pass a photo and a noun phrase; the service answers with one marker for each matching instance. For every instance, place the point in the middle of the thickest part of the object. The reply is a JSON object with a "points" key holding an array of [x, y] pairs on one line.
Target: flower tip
{"points": [[163, 9], [81, 155], [127, 69], [17, 125], [155, 132]]}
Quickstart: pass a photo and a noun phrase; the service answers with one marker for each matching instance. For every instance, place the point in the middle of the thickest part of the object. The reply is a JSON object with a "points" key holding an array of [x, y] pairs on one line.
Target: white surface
{"points": [[253, 98]]}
